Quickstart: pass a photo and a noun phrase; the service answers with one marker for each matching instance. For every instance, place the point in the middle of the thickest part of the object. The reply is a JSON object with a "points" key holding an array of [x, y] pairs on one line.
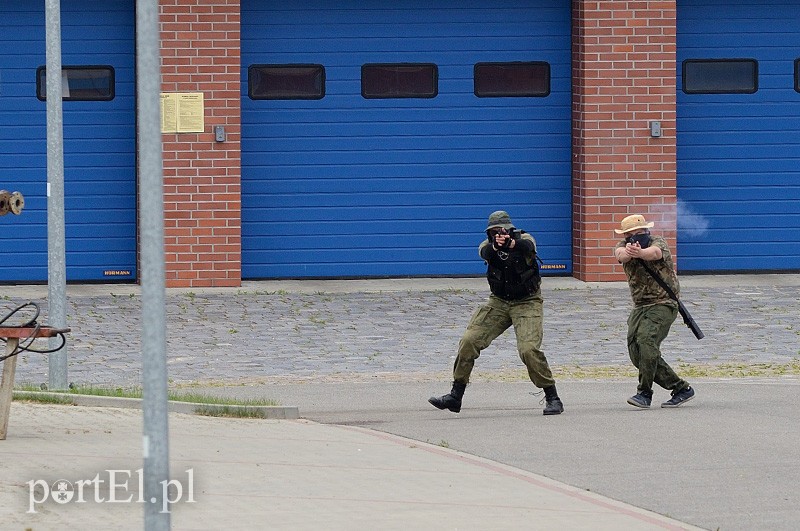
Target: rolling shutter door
{"points": [[346, 186], [739, 154], [99, 143]]}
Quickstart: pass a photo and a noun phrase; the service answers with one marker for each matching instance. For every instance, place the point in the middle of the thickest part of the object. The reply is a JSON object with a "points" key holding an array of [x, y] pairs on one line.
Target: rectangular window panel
{"points": [[80, 83], [286, 82], [720, 76], [399, 80], [497, 80], [797, 75]]}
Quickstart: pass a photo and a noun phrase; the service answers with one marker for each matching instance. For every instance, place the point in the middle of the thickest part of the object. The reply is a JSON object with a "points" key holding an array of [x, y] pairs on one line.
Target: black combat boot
{"points": [[553, 405], [451, 401]]}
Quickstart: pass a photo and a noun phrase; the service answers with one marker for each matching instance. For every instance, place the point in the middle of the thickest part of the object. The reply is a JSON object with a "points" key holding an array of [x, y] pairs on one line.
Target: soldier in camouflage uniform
{"points": [[654, 311], [516, 299]]}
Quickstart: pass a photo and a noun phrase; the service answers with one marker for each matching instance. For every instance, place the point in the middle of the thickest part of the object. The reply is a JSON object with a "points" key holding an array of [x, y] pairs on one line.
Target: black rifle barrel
{"points": [[687, 319]]}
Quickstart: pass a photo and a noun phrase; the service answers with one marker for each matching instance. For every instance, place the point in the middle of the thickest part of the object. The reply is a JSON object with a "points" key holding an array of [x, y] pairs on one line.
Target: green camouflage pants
{"points": [[494, 318], [647, 328]]}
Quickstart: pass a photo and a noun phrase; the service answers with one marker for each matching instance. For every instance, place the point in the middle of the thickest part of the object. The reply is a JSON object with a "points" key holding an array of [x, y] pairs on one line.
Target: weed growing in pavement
{"points": [[316, 320]]}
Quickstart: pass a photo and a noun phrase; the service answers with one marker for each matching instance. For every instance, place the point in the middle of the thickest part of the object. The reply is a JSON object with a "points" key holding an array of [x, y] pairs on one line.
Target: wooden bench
{"points": [[12, 335]]}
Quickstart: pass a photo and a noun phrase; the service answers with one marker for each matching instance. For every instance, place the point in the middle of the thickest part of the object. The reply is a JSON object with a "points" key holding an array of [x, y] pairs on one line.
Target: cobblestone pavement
{"points": [[399, 328]]}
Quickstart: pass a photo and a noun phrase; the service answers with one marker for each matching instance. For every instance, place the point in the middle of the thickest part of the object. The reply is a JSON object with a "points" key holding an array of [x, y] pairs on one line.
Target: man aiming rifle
{"points": [[516, 300]]}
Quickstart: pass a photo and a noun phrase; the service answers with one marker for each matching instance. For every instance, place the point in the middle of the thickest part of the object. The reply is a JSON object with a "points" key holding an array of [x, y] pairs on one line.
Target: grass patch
{"points": [[230, 411], [42, 398], [577, 372], [684, 370], [740, 370], [199, 398], [57, 397]]}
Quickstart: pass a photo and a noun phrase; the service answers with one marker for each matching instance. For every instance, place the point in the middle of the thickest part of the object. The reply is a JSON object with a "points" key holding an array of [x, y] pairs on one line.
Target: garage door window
{"points": [[80, 83], [399, 80], [797, 75], [286, 82], [496, 80], [720, 76]]}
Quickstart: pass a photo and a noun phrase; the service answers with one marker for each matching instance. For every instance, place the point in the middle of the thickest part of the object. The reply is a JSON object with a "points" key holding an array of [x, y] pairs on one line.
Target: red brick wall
{"points": [[623, 56], [202, 178]]}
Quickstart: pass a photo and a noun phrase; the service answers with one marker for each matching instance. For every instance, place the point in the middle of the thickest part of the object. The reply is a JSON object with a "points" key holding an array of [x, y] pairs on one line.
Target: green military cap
{"points": [[500, 219]]}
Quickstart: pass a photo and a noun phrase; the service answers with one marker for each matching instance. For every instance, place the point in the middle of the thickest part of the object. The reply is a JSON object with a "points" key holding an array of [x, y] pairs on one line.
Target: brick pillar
{"points": [[623, 61], [202, 177]]}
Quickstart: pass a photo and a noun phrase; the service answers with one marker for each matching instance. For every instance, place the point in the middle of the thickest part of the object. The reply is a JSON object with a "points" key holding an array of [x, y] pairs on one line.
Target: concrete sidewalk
{"points": [[285, 475]]}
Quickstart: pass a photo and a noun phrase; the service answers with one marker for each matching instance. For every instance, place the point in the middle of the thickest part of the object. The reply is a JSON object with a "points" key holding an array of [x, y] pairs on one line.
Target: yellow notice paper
{"points": [[182, 112], [169, 113]]}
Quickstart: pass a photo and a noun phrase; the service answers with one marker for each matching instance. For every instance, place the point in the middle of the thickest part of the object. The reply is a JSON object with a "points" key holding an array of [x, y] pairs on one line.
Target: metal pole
{"points": [[56, 247], [151, 199]]}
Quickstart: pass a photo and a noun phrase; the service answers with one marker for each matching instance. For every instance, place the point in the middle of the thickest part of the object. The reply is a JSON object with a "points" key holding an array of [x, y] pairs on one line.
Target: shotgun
{"points": [[689, 321], [687, 317]]}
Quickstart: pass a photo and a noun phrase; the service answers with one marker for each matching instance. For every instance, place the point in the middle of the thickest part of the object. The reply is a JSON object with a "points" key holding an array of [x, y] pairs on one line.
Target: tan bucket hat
{"points": [[633, 222]]}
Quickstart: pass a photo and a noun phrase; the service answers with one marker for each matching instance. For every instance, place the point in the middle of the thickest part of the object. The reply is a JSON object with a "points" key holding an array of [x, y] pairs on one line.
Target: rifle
{"points": [[687, 317]]}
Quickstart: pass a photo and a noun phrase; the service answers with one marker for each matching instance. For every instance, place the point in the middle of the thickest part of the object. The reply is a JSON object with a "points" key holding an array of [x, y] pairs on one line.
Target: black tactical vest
{"points": [[513, 278]]}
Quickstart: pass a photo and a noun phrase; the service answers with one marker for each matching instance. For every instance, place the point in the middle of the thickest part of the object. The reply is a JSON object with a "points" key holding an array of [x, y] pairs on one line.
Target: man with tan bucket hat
{"points": [[654, 310]]}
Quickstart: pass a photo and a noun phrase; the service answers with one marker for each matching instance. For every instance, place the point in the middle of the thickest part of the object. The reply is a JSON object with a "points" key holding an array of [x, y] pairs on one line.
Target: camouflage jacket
{"points": [[645, 291]]}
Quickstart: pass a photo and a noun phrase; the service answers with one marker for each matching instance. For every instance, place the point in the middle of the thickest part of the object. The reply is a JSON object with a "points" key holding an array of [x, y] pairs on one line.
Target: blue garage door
{"points": [[738, 135], [351, 185], [99, 139]]}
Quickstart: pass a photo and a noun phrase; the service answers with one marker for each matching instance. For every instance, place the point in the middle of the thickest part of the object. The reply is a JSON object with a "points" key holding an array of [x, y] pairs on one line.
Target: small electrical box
{"points": [[655, 129], [219, 133]]}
